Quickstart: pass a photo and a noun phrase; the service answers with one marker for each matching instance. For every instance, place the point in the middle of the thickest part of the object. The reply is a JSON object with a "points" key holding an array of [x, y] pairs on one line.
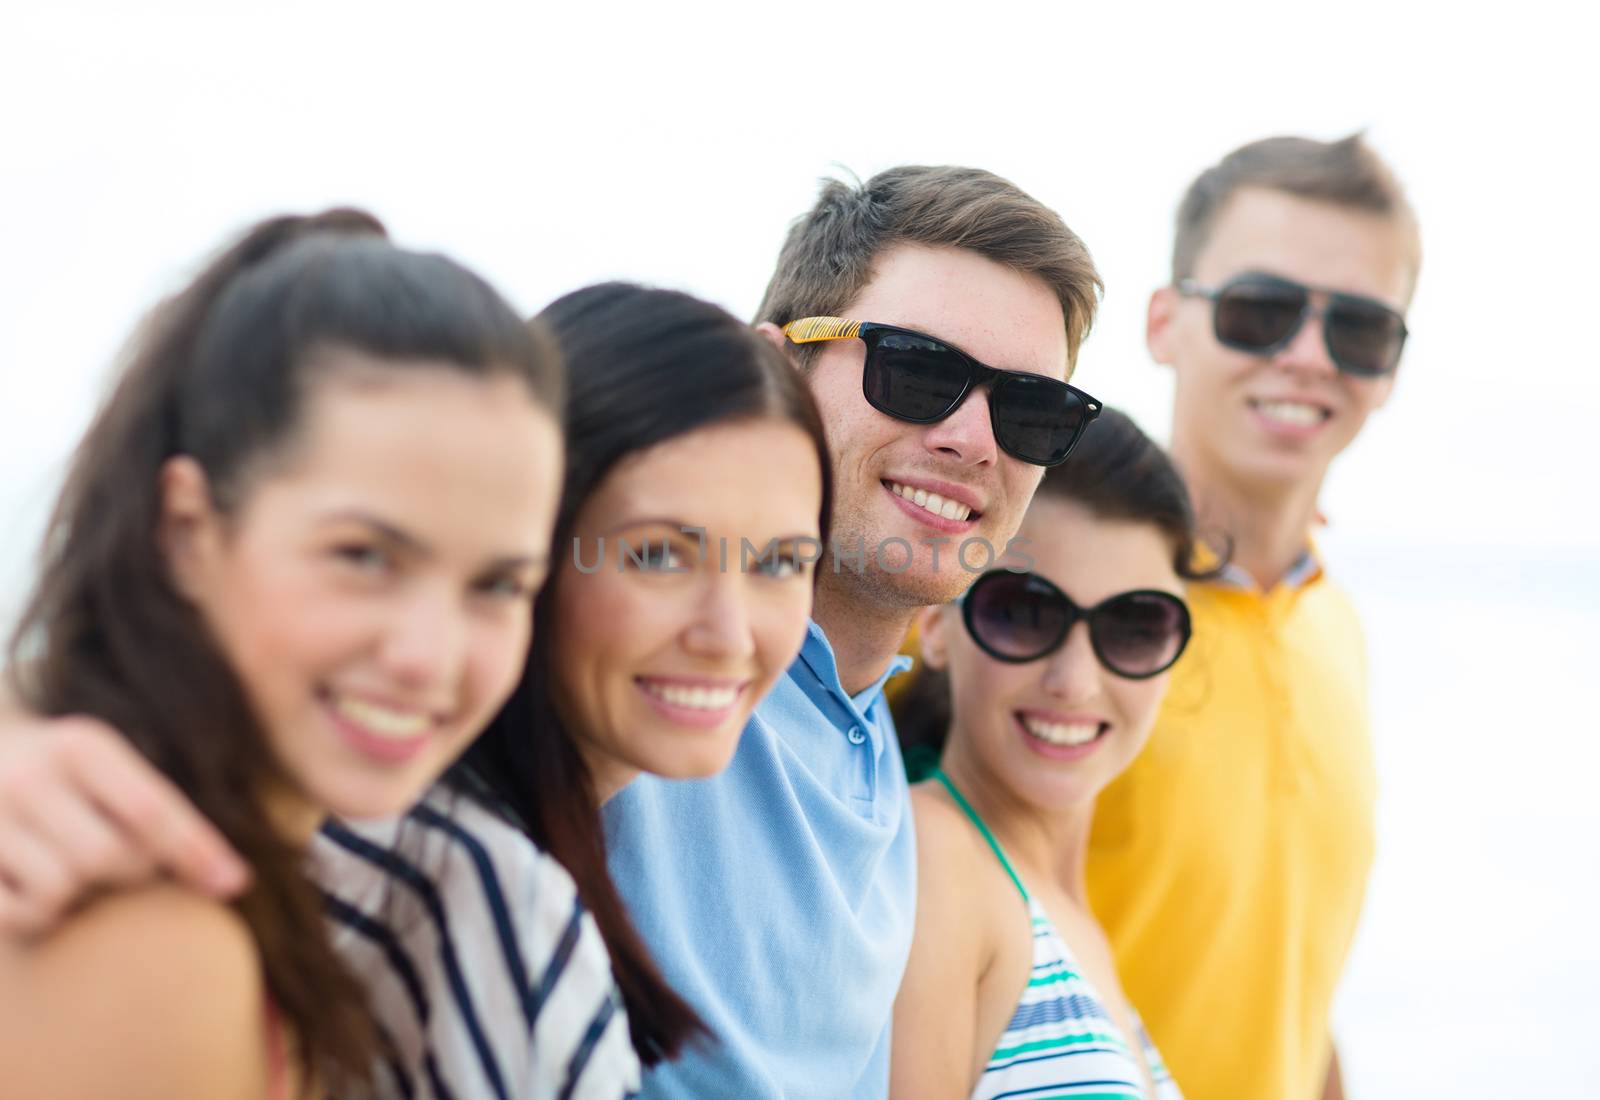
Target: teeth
{"points": [[933, 502], [700, 698], [1063, 733], [381, 720], [1291, 412]]}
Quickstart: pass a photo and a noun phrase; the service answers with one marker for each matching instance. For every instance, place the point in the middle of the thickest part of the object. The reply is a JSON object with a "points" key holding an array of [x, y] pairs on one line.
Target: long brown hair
{"points": [[644, 366], [220, 373]]}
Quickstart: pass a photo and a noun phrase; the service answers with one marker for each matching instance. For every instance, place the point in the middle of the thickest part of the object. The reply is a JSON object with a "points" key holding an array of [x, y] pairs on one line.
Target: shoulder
{"points": [[154, 974], [950, 852]]}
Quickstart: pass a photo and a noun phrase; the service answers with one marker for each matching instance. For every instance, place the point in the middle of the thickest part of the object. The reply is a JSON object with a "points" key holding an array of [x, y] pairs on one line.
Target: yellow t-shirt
{"points": [[1229, 862]]}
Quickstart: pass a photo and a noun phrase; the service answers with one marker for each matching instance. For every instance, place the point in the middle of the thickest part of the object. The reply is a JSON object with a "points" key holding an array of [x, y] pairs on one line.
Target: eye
{"points": [[364, 557], [509, 587], [785, 563], [653, 557]]}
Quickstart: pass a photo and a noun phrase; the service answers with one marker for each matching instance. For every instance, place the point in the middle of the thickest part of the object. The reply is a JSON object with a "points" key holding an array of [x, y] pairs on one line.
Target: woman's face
{"points": [[1018, 722], [662, 639], [373, 588]]}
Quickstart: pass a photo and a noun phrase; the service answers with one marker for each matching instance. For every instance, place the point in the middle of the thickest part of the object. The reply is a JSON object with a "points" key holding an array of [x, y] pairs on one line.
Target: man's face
{"points": [[1002, 318], [1275, 422]]}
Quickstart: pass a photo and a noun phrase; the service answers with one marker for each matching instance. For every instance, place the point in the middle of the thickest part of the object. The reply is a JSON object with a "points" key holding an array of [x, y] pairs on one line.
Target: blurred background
{"points": [[551, 147]]}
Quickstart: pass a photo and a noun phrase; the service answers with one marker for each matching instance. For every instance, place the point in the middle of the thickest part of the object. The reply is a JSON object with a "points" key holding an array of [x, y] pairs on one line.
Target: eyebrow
{"points": [[413, 545]]}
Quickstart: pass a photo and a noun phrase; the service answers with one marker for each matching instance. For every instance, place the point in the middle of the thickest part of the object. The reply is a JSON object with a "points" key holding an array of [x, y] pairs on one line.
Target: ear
{"points": [[188, 528], [774, 335], [1158, 321], [934, 642]]}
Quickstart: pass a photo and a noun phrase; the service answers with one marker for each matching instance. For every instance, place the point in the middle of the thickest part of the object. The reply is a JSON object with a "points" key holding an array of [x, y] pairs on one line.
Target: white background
{"points": [[553, 146]]}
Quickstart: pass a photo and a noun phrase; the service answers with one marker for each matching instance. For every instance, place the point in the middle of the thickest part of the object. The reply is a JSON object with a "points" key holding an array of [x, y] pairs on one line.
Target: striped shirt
{"points": [[487, 976], [1060, 1042]]}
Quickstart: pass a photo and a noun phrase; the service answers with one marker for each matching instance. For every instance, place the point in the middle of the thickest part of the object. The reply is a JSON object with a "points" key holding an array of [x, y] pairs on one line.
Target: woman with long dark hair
{"points": [[696, 503], [292, 565], [1038, 687]]}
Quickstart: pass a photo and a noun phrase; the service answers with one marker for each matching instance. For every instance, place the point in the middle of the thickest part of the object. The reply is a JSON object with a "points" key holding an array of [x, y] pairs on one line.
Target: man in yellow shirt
{"points": [[1229, 863]]}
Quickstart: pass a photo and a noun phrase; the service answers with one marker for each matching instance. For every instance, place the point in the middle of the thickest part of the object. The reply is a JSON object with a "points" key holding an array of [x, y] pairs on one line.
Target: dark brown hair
{"points": [[827, 257], [1346, 173], [1117, 473], [645, 366], [221, 373]]}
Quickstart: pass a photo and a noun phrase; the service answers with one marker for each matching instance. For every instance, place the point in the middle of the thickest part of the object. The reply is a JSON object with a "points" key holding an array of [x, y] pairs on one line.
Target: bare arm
{"points": [[80, 809], [934, 1052], [146, 994]]}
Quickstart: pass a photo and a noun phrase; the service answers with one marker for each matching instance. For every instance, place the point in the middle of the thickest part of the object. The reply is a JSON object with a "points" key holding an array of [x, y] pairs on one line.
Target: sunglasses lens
{"points": [[1015, 616], [1254, 316], [1037, 419], [1364, 339], [1141, 633], [913, 377]]}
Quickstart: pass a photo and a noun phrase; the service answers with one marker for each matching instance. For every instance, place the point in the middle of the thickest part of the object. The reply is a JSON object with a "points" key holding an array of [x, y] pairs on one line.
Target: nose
{"points": [[424, 641], [966, 435], [1307, 352], [719, 623], [1073, 672]]}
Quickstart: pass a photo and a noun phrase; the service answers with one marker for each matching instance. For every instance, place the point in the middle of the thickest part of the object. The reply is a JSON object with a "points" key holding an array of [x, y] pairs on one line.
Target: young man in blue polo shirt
{"points": [[779, 896]]}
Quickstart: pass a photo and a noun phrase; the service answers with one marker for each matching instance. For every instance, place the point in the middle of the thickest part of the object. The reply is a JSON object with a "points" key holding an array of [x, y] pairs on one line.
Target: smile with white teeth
{"points": [[382, 721], [1294, 413], [696, 698], [1067, 734], [931, 502]]}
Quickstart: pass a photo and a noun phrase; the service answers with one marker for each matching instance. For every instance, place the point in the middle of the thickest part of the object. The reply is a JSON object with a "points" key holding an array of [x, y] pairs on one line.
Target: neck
{"points": [[294, 817], [607, 774], [1267, 525], [864, 635], [1053, 844]]}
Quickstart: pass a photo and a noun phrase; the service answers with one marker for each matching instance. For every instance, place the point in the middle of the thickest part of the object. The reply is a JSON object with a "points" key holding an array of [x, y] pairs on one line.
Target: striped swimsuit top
{"points": [[1061, 1041]]}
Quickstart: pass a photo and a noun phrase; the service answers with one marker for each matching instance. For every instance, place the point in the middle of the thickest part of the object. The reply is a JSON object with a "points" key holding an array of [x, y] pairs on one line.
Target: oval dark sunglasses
{"points": [[1021, 617]]}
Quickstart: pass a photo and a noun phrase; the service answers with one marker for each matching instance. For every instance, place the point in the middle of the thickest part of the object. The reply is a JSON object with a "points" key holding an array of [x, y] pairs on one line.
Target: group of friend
{"points": [[419, 701]]}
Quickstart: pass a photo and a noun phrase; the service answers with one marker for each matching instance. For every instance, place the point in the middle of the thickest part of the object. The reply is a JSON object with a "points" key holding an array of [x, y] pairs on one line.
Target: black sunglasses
{"points": [[1262, 313], [914, 377], [1020, 617]]}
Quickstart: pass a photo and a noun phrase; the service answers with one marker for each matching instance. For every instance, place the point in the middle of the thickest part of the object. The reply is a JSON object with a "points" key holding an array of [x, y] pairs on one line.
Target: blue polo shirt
{"points": [[778, 897]]}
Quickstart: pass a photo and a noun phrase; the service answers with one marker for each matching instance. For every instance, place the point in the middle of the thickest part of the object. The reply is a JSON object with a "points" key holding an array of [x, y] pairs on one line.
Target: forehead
{"points": [[718, 477], [1000, 316], [1317, 243], [1089, 557], [432, 448]]}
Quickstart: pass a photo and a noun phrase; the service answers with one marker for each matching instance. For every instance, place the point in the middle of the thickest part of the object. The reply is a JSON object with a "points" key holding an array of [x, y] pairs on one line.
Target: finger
{"points": [[36, 878], [90, 845], [154, 814], [18, 919]]}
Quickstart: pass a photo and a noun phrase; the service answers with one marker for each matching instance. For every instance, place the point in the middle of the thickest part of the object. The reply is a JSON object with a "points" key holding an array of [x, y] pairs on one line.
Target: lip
{"points": [[1059, 752], [386, 750], [923, 516], [1278, 428], [693, 717]]}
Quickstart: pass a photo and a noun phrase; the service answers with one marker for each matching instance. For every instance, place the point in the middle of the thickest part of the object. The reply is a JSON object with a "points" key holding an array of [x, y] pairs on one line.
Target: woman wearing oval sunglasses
{"points": [[1038, 688]]}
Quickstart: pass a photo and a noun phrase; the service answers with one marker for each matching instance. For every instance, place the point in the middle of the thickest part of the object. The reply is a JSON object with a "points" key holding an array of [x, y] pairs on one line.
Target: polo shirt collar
{"points": [[816, 652]]}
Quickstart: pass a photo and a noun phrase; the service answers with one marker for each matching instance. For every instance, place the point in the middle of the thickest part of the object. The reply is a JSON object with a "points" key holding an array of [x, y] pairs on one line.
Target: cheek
{"points": [[1139, 701], [778, 624], [499, 651]]}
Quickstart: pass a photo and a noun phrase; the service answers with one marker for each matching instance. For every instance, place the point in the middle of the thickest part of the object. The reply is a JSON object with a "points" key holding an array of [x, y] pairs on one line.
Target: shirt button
{"points": [[855, 735]]}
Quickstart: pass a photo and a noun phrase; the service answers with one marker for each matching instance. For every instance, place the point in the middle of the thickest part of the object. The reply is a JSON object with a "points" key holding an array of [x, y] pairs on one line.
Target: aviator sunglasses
{"points": [[916, 378], [1021, 617], [1261, 314]]}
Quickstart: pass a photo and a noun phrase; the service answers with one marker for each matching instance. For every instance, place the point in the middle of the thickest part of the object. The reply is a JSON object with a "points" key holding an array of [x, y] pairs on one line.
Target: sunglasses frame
{"points": [[1189, 288], [1075, 615], [810, 330]]}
